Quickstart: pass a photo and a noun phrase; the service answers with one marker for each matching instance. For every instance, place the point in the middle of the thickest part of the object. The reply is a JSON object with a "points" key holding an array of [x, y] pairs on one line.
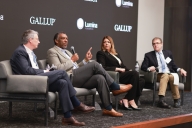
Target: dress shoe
{"points": [[84, 108], [138, 109], [162, 104], [72, 121], [123, 89], [122, 104], [112, 113], [177, 103]]}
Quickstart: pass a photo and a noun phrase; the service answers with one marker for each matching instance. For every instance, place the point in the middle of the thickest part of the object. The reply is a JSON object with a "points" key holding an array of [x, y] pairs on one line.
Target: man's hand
{"points": [[152, 69], [183, 72], [75, 57], [88, 55]]}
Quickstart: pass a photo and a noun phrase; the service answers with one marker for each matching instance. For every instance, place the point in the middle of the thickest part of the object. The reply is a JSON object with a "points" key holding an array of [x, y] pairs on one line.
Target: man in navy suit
{"points": [[162, 61], [24, 62]]}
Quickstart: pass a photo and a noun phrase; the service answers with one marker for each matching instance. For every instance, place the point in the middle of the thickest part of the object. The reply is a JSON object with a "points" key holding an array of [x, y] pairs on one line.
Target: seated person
{"points": [[23, 62], [111, 61], [163, 61], [85, 74]]}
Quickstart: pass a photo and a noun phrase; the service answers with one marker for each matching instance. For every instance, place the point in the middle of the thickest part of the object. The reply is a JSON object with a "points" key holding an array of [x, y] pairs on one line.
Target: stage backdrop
{"points": [[84, 21]]}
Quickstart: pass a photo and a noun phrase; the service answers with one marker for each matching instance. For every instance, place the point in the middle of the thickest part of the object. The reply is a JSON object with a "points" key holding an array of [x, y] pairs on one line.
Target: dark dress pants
{"points": [[60, 82], [92, 75], [132, 77]]}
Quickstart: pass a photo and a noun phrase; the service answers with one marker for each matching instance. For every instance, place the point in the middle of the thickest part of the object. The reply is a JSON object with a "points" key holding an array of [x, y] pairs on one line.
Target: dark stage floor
{"points": [[24, 116]]}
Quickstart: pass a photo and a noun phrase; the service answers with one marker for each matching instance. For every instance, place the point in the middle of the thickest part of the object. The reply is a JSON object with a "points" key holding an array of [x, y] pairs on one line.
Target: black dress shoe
{"points": [[138, 109], [124, 107], [177, 103], [162, 104]]}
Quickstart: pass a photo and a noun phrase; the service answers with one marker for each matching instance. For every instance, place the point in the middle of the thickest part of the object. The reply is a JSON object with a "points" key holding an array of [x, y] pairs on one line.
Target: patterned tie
{"points": [[162, 62], [34, 59]]}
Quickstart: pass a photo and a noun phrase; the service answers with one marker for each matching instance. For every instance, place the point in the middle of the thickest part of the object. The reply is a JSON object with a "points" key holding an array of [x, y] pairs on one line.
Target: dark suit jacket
{"points": [[150, 59], [108, 61], [21, 63]]}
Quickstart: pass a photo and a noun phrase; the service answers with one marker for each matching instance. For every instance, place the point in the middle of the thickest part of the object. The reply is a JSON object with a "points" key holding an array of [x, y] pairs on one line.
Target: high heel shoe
{"points": [[124, 107], [138, 109]]}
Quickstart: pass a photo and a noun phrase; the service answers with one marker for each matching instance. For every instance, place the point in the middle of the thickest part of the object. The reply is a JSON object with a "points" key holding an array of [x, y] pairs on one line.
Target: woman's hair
{"points": [[112, 50]]}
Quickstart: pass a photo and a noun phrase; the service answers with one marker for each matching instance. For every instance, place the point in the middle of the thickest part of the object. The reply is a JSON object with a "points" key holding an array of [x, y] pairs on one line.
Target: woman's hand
{"points": [[120, 69]]}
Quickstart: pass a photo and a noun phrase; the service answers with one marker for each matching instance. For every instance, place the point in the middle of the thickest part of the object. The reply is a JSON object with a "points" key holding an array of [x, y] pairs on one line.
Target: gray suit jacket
{"points": [[56, 57]]}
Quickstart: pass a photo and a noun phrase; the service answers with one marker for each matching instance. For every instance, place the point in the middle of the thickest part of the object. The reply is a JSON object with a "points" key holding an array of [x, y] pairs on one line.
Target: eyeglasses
{"points": [[156, 43]]}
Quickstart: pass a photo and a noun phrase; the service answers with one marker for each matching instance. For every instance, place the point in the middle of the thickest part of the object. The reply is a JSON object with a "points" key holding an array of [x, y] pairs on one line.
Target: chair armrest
{"points": [[114, 75], [27, 84], [150, 77], [182, 78]]}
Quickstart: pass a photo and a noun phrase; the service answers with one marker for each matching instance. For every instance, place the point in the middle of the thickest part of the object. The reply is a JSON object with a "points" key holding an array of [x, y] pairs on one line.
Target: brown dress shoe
{"points": [[84, 108], [123, 89], [112, 113], [72, 121]]}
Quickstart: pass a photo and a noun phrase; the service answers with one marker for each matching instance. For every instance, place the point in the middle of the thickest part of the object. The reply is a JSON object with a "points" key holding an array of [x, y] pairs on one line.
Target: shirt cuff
{"points": [[84, 62], [178, 69]]}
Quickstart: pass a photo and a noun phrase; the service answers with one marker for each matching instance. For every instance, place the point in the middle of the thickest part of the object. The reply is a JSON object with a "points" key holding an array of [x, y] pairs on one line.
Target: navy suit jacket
{"points": [[150, 59], [21, 64], [108, 61]]}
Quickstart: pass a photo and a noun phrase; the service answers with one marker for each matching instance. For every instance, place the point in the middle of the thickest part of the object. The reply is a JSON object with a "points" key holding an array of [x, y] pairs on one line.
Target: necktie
{"points": [[162, 62], [34, 59]]}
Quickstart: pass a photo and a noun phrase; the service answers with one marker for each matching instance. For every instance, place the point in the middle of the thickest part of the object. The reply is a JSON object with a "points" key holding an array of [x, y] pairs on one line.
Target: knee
{"points": [[61, 83], [165, 76]]}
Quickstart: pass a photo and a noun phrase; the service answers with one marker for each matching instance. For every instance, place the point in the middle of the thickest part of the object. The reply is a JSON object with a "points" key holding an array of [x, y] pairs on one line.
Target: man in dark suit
{"points": [[162, 61], [86, 74], [24, 62]]}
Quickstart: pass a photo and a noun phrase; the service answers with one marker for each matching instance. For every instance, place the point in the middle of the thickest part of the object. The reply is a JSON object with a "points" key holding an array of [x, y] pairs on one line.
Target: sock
{"points": [[176, 100], [75, 101], [109, 107], [161, 98], [114, 86], [67, 114]]}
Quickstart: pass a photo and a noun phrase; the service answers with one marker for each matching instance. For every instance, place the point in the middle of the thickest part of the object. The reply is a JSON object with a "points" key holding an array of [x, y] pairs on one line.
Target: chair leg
{"points": [[46, 113], [116, 103], [35, 107], [154, 95], [55, 117], [10, 109], [85, 98], [182, 97], [93, 103]]}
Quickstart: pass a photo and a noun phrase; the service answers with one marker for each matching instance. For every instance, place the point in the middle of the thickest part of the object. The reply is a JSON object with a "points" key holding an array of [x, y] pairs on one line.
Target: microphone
{"points": [[72, 50]]}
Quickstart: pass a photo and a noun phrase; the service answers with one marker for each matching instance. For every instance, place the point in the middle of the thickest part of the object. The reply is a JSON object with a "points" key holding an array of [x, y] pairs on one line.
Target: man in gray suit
{"points": [[86, 74]]}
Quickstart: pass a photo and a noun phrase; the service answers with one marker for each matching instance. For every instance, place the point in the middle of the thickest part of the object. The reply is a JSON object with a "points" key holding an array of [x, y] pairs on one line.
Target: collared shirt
{"points": [[159, 62], [75, 65], [30, 53]]}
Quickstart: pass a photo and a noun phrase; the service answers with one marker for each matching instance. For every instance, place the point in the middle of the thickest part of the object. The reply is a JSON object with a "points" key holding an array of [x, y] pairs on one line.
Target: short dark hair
{"points": [[56, 36]]}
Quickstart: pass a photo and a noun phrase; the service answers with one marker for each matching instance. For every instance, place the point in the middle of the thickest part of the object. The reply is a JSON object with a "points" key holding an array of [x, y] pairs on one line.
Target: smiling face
{"points": [[62, 41]]}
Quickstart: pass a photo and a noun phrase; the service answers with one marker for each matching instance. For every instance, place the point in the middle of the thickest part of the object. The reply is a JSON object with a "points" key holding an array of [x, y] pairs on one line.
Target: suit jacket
{"points": [[55, 56], [21, 63], [150, 59], [108, 61]]}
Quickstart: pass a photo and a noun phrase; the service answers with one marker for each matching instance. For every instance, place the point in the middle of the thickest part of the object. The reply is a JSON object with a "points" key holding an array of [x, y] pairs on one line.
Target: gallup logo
{"points": [[42, 21], [125, 4], [83, 24], [91, 1], [122, 28], [1, 17]]}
